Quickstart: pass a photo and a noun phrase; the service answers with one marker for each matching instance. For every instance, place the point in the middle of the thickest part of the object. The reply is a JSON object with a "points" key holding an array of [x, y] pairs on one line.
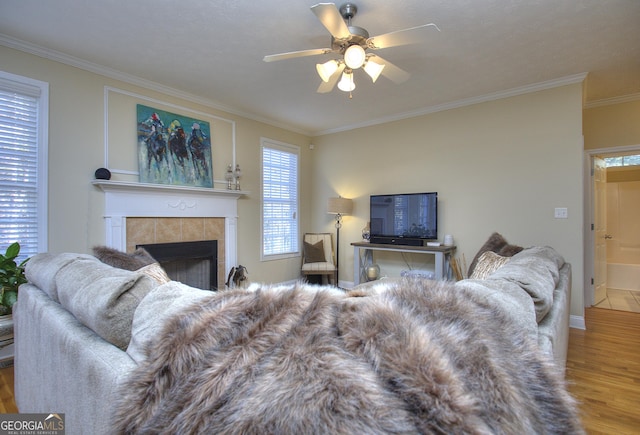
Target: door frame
{"points": [[589, 211]]}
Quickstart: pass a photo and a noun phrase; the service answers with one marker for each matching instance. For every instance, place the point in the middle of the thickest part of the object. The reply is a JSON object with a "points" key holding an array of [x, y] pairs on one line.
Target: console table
{"points": [[363, 255]]}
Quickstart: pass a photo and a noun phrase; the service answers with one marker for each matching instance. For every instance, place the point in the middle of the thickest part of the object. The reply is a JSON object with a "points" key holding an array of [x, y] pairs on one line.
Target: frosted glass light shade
{"points": [[346, 82], [354, 56], [374, 69], [326, 70]]}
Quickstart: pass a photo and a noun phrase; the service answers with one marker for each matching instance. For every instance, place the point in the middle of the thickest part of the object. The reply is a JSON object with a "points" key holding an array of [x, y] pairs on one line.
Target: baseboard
{"points": [[577, 322]]}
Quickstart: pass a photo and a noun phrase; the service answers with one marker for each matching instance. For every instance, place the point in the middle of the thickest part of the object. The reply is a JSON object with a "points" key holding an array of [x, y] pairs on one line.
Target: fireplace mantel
{"points": [[130, 199], [127, 186]]}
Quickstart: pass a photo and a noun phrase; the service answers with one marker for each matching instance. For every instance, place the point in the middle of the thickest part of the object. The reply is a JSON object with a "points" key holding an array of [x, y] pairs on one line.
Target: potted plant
{"points": [[11, 276]]}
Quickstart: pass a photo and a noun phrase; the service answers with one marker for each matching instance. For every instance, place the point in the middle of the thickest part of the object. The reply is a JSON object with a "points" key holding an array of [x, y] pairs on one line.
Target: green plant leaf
{"points": [[9, 298], [13, 250]]}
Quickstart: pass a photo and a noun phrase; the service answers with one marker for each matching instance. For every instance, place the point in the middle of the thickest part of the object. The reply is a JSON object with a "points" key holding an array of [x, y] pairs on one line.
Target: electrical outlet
{"points": [[561, 213]]}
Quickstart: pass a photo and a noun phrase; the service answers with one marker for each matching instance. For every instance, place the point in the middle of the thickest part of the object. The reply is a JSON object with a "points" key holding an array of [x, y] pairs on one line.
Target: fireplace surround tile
{"points": [[144, 230], [168, 230], [193, 229]]}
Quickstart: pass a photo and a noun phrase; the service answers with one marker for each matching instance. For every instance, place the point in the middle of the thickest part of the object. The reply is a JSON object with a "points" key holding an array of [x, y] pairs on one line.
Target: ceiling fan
{"points": [[353, 44]]}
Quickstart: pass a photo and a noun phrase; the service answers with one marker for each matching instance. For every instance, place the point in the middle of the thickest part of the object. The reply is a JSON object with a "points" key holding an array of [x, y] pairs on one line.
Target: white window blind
{"points": [[22, 202], [279, 200]]}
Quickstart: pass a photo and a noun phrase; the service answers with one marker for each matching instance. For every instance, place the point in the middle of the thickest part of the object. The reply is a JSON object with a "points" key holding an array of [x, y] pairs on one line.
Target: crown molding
{"points": [[111, 73], [535, 87], [614, 100], [63, 58]]}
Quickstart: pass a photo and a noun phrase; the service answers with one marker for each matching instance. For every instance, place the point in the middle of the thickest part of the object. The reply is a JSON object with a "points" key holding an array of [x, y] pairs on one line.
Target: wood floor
{"points": [[603, 371], [7, 404]]}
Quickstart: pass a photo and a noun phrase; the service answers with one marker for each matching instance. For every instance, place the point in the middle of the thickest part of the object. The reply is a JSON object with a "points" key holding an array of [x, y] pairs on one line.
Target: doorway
{"points": [[613, 259]]}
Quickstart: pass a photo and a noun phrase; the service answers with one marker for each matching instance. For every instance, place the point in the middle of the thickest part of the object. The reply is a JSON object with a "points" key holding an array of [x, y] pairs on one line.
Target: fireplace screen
{"points": [[191, 263]]}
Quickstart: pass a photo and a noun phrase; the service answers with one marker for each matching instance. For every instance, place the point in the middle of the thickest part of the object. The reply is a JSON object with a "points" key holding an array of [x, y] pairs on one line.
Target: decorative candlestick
{"points": [[229, 177], [238, 174]]}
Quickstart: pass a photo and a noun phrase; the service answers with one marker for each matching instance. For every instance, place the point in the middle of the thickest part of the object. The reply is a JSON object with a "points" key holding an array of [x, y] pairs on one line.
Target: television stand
{"points": [[363, 256]]}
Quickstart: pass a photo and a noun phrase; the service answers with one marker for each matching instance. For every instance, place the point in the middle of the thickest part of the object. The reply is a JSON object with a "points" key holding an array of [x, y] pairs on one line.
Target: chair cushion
{"points": [[314, 253], [318, 267]]}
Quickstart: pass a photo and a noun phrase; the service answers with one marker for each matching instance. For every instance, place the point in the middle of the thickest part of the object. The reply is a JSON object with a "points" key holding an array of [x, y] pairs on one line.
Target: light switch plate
{"points": [[561, 213]]}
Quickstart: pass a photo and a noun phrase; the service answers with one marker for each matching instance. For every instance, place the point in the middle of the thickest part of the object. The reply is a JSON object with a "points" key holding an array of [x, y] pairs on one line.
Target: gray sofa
{"points": [[532, 287], [535, 288], [82, 327]]}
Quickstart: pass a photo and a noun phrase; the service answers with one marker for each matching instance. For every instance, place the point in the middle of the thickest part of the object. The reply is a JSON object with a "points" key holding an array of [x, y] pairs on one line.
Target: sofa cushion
{"points": [[536, 271], [102, 297], [41, 270], [513, 301], [153, 311], [498, 244], [488, 263]]}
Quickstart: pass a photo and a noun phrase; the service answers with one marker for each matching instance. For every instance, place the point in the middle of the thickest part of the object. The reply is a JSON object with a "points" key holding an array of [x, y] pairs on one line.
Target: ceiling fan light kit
{"points": [[346, 83], [373, 69], [326, 70], [354, 56], [352, 43]]}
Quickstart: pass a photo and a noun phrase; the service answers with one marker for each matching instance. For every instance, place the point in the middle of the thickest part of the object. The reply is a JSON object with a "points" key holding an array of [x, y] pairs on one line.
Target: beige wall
{"points": [[614, 125], [76, 150], [498, 166]]}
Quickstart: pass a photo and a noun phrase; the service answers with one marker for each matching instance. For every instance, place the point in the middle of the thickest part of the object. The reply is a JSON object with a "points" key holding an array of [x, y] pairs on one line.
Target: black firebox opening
{"points": [[192, 263]]}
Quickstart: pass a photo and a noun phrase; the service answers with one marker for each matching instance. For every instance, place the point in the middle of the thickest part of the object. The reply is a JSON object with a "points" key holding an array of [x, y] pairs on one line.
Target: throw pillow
{"points": [[139, 258], [488, 263], [498, 244], [156, 272], [314, 253]]}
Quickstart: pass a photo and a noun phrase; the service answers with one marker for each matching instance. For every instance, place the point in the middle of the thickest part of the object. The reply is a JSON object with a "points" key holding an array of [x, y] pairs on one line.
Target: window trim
{"points": [[282, 146], [39, 89]]}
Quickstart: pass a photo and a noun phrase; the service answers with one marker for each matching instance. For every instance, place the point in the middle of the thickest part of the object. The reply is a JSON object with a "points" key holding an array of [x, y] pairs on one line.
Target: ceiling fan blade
{"points": [[294, 54], [328, 86], [401, 37], [330, 18], [392, 72]]}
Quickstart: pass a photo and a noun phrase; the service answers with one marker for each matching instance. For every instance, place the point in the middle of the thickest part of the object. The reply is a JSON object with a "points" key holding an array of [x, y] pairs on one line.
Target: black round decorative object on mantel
{"points": [[103, 174]]}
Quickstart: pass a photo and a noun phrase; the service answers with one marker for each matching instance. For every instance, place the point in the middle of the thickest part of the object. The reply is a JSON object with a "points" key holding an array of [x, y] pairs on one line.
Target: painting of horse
{"points": [[173, 149]]}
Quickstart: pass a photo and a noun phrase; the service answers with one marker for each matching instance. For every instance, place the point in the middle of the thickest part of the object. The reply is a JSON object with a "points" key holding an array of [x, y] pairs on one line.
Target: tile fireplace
{"points": [[139, 214]]}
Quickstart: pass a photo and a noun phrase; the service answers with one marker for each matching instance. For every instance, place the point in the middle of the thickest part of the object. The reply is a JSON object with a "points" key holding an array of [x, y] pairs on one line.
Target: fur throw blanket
{"points": [[416, 357]]}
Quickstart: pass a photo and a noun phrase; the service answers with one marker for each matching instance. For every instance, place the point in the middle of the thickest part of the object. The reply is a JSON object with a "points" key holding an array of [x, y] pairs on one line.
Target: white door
{"points": [[600, 229]]}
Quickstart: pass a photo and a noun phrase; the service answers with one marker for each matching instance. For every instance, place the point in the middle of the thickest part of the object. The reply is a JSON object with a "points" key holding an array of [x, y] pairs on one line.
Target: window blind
{"points": [[19, 168], [279, 200]]}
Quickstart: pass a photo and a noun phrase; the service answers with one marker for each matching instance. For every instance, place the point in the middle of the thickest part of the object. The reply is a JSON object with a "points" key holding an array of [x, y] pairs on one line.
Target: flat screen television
{"points": [[404, 219]]}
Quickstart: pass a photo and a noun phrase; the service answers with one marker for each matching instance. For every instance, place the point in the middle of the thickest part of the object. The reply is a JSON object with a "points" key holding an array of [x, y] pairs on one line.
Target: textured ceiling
{"points": [[213, 50]]}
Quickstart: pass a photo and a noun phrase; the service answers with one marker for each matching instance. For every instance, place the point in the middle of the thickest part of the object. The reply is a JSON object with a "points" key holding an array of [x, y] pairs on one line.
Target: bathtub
{"points": [[623, 276]]}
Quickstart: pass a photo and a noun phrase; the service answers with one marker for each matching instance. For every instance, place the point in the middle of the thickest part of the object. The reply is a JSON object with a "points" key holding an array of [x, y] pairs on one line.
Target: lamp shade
{"points": [[341, 206]]}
